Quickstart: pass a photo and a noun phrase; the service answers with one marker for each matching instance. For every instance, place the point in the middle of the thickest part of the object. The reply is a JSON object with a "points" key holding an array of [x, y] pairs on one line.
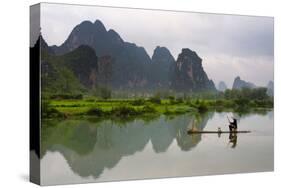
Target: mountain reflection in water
{"points": [[90, 147]]}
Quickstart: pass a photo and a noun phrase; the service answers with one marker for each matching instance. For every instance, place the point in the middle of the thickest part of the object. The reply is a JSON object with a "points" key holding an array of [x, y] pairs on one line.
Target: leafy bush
{"points": [[176, 101], [179, 100], [219, 102], [138, 102], [155, 99], [47, 111], [264, 103], [96, 111], [148, 109], [246, 93], [188, 102], [242, 102], [202, 107], [124, 111], [171, 97]]}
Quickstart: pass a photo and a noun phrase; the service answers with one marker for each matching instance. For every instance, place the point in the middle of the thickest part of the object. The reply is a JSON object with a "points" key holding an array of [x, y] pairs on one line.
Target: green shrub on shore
{"points": [[202, 108], [47, 111], [174, 101], [246, 93], [148, 109], [171, 98], [242, 102], [179, 100], [200, 105], [96, 111], [155, 99], [124, 111], [137, 102], [264, 103], [221, 103], [128, 107]]}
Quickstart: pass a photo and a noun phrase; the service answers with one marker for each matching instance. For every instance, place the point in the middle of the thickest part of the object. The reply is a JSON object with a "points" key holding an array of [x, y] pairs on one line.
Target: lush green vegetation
{"points": [[232, 100]]}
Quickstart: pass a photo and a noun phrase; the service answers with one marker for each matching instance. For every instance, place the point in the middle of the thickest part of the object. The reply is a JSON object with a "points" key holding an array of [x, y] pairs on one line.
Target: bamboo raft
{"points": [[214, 132]]}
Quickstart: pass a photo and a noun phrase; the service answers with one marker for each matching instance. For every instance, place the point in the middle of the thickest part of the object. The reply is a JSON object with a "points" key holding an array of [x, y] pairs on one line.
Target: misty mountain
{"points": [[222, 86], [72, 72], [239, 84], [162, 62], [93, 56], [130, 60], [188, 73]]}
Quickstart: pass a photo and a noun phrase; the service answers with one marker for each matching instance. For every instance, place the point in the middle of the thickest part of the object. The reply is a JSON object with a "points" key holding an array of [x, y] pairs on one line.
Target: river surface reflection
{"points": [[77, 151]]}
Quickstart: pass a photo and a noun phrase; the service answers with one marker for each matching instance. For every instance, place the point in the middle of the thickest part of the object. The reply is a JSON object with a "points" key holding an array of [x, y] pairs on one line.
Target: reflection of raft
{"points": [[214, 132]]}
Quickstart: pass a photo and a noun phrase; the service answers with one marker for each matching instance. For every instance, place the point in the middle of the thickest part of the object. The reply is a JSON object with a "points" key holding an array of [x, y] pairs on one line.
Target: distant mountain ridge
{"points": [[222, 86], [130, 60], [129, 65], [239, 84]]}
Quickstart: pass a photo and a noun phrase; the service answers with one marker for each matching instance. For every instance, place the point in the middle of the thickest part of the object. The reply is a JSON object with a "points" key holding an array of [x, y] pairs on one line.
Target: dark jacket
{"points": [[234, 123]]}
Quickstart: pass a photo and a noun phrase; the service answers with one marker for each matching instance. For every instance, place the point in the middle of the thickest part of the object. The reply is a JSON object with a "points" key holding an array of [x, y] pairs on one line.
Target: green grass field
{"points": [[141, 107], [75, 107]]}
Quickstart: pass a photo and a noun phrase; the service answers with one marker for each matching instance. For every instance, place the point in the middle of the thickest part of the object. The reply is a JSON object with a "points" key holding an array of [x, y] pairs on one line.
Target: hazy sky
{"points": [[229, 45]]}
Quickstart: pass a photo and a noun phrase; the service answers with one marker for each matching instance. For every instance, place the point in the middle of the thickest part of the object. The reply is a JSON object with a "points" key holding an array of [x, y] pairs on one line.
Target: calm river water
{"points": [[77, 151]]}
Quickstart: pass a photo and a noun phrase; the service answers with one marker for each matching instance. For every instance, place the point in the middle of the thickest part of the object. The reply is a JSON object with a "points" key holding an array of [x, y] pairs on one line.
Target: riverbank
{"points": [[124, 108]]}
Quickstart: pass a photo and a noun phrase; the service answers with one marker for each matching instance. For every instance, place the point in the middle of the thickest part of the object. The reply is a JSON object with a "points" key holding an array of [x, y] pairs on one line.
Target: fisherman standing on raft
{"points": [[233, 125]]}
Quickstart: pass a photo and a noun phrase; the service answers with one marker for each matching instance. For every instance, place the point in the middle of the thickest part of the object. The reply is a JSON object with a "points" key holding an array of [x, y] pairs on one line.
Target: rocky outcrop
{"points": [[188, 73], [239, 84], [86, 33], [71, 72], [131, 61], [162, 56], [123, 65], [83, 61], [222, 86], [162, 60]]}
